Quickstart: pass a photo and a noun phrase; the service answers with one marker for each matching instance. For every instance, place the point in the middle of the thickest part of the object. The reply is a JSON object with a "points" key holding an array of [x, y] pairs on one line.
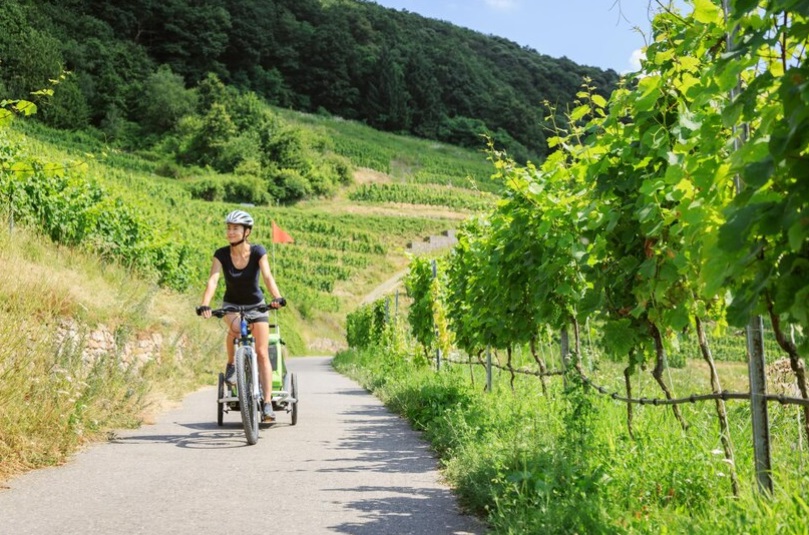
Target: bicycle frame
{"points": [[282, 388], [248, 390], [243, 342]]}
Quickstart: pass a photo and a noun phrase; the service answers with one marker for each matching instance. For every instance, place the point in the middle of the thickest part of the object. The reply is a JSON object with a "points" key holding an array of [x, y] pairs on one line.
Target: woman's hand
{"points": [[204, 311], [278, 302]]}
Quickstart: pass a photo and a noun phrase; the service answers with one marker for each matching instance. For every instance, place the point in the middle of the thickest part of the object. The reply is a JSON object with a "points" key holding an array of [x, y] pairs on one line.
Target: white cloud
{"points": [[635, 59], [501, 4]]}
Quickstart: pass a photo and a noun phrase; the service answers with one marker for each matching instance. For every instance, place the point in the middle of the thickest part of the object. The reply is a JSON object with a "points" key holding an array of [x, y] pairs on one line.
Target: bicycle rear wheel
{"points": [[220, 405], [247, 402]]}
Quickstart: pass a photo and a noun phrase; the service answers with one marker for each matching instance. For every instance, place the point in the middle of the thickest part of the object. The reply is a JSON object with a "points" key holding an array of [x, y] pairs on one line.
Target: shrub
{"points": [[165, 101], [233, 189], [288, 185], [66, 109]]}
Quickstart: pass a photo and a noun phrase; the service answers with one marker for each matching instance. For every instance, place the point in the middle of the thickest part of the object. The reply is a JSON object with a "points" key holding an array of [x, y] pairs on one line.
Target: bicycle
{"points": [[247, 395]]}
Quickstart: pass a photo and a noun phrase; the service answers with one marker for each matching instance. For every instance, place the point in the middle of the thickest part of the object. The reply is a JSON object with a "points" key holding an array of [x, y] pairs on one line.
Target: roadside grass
{"points": [[564, 462], [53, 397]]}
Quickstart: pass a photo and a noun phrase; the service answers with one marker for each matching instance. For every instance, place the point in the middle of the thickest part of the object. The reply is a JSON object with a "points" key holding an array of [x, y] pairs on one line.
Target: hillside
{"points": [[112, 202], [396, 71], [121, 151], [109, 259]]}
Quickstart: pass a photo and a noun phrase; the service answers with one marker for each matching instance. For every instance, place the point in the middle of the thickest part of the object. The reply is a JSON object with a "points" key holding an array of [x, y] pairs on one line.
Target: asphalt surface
{"points": [[348, 466]]}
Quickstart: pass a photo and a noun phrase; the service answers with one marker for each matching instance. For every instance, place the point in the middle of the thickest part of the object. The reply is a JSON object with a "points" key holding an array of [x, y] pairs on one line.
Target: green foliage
{"points": [[67, 108], [357, 60], [230, 189], [406, 159], [416, 194], [359, 327], [209, 140], [418, 283], [466, 292], [373, 325], [559, 489], [634, 221], [31, 56], [236, 133], [165, 101], [74, 210]]}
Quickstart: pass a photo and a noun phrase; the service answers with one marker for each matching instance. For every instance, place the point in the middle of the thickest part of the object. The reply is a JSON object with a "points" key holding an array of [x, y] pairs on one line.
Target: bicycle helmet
{"points": [[239, 217]]}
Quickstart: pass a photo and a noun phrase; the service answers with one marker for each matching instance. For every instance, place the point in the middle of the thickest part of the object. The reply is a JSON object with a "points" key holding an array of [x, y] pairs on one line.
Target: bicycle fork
{"points": [[251, 354]]}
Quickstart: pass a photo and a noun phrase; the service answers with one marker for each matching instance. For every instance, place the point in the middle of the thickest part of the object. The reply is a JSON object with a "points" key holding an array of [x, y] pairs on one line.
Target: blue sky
{"points": [[598, 33]]}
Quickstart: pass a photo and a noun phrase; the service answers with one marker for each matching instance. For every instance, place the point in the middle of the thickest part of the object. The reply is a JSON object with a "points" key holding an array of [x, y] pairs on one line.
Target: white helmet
{"points": [[239, 217]]}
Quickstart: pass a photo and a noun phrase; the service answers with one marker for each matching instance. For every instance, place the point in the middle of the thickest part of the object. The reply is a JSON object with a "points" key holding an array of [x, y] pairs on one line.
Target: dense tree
{"points": [[66, 109], [392, 69], [387, 94], [165, 101], [29, 55]]}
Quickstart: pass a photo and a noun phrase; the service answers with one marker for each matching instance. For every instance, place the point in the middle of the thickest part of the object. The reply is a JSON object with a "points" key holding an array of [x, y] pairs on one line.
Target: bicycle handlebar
{"points": [[220, 312]]}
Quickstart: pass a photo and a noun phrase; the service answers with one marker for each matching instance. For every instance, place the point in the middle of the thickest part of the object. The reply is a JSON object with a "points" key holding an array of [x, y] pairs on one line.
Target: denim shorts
{"points": [[252, 316]]}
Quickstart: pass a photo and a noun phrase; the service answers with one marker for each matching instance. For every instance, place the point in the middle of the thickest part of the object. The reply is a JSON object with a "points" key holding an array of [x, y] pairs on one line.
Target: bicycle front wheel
{"points": [[247, 401]]}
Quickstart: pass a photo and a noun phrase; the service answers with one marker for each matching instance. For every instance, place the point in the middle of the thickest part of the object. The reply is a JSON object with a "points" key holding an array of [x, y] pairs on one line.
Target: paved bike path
{"points": [[349, 466]]}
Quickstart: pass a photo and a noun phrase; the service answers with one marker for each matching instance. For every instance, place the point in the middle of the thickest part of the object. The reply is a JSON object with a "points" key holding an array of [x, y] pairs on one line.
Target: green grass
{"points": [[565, 463]]}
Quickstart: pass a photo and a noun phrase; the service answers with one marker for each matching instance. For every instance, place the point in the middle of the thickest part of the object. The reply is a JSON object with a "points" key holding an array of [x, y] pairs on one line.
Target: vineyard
{"points": [[83, 193], [455, 198], [616, 344], [142, 225], [667, 233], [404, 159]]}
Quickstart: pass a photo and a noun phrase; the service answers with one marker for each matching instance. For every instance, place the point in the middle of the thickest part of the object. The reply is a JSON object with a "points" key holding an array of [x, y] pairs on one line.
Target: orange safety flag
{"points": [[279, 236]]}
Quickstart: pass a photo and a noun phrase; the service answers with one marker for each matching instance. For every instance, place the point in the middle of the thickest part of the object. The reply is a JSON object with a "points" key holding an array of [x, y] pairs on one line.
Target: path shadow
{"points": [[219, 439], [208, 435], [407, 511], [377, 440], [381, 442]]}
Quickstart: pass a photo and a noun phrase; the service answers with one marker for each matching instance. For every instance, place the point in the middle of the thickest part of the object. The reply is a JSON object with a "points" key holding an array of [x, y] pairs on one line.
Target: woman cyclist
{"points": [[241, 263]]}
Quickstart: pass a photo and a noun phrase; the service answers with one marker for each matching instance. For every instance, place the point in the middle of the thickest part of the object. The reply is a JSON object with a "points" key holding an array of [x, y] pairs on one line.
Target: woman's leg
{"points": [[261, 334], [233, 327], [232, 324]]}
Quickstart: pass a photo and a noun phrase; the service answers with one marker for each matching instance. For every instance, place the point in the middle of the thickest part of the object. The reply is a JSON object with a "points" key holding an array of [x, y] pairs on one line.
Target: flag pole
{"points": [[272, 237], [272, 268], [278, 236]]}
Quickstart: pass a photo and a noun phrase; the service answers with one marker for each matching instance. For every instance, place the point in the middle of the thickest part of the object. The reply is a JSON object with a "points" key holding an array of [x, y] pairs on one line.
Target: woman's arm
{"points": [[210, 288], [266, 274]]}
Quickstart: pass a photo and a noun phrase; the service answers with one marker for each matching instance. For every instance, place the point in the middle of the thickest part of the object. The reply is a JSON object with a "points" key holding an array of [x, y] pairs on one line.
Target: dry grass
{"points": [[340, 204], [53, 398], [421, 211], [363, 175]]}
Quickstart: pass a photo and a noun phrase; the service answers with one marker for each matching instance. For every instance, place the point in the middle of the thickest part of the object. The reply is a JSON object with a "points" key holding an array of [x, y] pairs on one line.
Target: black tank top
{"points": [[241, 285]]}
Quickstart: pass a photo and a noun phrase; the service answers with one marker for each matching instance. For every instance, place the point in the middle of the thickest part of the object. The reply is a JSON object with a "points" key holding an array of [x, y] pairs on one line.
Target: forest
{"points": [[128, 67]]}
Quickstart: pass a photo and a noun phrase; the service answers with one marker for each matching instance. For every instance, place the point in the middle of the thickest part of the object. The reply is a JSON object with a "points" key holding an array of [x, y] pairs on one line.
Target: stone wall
{"points": [[132, 348], [445, 240]]}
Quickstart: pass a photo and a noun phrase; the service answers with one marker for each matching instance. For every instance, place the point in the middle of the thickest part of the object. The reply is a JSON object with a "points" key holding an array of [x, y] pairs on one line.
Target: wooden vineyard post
{"points": [[488, 368], [758, 403], [435, 327], [755, 339], [564, 346]]}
